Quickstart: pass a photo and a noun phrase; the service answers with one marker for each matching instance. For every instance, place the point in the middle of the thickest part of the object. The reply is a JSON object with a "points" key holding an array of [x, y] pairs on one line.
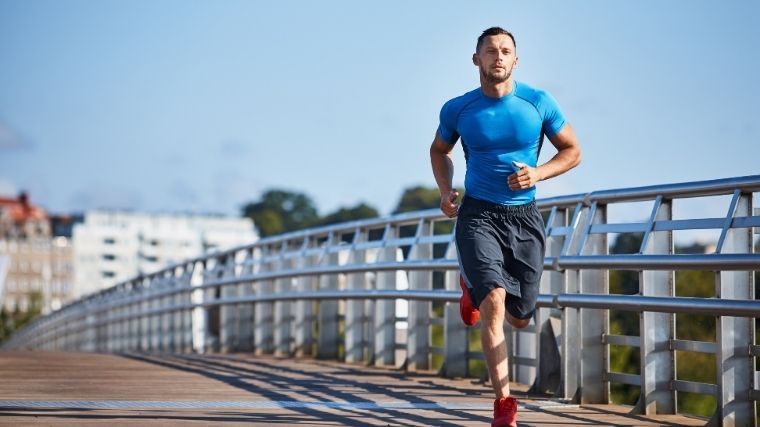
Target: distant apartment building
{"points": [[111, 247], [36, 266]]}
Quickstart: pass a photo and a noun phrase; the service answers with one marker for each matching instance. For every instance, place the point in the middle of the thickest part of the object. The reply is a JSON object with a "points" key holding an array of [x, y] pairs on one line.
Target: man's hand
{"points": [[526, 177], [449, 204]]}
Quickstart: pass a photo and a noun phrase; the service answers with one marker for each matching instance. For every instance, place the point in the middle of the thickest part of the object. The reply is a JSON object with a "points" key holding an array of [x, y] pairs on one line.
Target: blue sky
{"points": [[201, 106]]}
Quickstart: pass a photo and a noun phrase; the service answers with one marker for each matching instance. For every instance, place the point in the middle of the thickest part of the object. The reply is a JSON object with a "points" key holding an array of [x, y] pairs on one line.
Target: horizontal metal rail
{"points": [[638, 303], [635, 303]]}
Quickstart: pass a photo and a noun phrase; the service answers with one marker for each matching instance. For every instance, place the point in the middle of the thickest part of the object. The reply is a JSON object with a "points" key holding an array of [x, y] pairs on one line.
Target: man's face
{"points": [[496, 58]]}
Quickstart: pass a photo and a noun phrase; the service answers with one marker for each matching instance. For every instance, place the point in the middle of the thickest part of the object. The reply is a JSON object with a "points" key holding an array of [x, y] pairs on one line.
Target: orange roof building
{"points": [[20, 219]]}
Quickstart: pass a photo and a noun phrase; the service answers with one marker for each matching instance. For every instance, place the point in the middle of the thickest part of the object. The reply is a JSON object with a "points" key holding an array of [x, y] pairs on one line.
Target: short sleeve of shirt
{"points": [[448, 123], [553, 119]]}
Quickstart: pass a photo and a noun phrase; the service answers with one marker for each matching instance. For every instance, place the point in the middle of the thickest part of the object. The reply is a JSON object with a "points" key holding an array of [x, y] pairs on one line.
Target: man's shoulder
{"points": [[464, 99], [530, 93]]}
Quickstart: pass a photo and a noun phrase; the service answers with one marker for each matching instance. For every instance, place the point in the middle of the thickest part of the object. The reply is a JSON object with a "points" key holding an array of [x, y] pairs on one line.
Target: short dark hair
{"points": [[494, 31]]}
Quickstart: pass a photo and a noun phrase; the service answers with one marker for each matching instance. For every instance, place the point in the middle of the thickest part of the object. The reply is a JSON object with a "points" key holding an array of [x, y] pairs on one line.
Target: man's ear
{"points": [[475, 59], [517, 61]]}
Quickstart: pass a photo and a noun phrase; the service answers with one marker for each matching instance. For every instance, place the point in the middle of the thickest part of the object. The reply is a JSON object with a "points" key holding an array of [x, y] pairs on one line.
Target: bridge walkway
{"points": [[138, 389]]}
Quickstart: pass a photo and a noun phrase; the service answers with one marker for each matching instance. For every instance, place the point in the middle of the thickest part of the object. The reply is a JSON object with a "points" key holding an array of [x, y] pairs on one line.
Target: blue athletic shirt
{"points": [[496, 131]]}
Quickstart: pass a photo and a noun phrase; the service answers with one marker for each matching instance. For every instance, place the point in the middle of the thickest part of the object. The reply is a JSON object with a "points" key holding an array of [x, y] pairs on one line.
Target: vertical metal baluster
{"points": [[304, 316], [571, 334], [199, 320], [327, 339], [356, 310], [185, 299], [263, 311], [594, 322], [229, 335], [455, 363], [282, 309], [735, 335], [245, 310], [548, 320], [385, 310], [418, 339], [657, 330]]}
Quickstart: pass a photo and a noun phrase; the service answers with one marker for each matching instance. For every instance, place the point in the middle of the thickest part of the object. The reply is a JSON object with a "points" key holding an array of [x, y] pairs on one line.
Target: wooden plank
{"points": [[183, 389]]}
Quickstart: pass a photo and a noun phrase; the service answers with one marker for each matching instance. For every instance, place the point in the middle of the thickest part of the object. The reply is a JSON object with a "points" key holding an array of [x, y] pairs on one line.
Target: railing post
{"points": [[418, 338], [304, 317], [175, 316], [384, 317], [134, 319], [123, 325], [145, 330], [356, 310], [199, 319], [111, 327], [155, 319], [657, 329], [548, 320], [90, 332], [184, 317], [594, 322], [282, 309], [327, 340], [735, 335], [245, 310], [228, 331], [263, 336], [455, 332], [167, 317], [81, 331], [571, 333]]}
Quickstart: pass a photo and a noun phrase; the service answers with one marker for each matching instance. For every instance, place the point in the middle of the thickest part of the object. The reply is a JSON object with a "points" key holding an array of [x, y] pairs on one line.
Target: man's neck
{"points": [[496, 90]]}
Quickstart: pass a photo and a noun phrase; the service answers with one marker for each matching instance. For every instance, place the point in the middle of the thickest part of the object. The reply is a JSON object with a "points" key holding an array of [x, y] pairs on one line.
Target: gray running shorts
{"points": [[501, 247]]}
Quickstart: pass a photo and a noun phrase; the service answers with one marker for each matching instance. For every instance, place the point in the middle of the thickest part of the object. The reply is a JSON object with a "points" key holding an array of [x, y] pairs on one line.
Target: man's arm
{"points": [[568, 156], [443, 170]]}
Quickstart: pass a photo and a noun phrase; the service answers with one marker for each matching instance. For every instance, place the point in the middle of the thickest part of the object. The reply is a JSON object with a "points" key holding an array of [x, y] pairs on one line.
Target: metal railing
{"points": [[334, 292]]}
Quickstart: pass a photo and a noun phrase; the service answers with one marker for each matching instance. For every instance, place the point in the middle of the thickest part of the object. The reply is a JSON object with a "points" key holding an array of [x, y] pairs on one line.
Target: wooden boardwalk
{"points": [[85, 389]]}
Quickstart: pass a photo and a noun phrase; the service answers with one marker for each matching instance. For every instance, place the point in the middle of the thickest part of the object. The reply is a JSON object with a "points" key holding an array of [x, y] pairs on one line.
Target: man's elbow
{"points": [[575, 156]]}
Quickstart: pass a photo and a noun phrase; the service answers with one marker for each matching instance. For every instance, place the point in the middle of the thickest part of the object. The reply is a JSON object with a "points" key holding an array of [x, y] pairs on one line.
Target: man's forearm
{"points": [[443, 170], [563, 161]]}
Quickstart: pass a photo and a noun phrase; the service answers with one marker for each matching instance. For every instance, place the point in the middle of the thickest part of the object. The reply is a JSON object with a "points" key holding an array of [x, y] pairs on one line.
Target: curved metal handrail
{"points": [[285, 269]]}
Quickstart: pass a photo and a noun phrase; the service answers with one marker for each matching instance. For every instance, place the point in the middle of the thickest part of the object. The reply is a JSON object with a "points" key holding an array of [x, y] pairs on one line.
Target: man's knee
{"points": [[517, 323]]}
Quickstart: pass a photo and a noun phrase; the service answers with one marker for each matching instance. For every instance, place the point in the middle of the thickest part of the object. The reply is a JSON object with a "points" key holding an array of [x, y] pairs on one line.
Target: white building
{"points": [[110, 247]]}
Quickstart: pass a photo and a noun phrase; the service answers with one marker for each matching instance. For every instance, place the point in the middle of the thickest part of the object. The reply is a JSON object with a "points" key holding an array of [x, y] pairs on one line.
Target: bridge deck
{"points": [[81, 389]]}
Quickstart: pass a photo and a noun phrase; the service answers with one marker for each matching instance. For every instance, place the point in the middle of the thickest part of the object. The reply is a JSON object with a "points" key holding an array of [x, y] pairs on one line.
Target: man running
{"points": [[499, 231]]}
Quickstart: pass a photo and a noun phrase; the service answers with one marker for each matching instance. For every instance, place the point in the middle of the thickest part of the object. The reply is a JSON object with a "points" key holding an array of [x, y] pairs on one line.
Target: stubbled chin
{"points": [[497, 78]]}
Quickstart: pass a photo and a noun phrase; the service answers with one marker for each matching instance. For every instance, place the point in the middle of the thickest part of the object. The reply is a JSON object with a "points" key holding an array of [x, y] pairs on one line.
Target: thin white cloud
{"points": [[7, 188], [11, 140], [234, 149], [106, 197]]}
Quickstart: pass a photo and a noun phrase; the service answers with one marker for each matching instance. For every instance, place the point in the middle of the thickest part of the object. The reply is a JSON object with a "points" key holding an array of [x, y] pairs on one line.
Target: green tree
{"points": [[360, 211], [418, 198], [280, 211], [17, 319], [6, 327]]}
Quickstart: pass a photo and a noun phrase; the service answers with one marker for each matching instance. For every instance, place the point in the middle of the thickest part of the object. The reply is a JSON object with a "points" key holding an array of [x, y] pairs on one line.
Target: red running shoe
{"points": [[470, 315], [504, 412]]}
